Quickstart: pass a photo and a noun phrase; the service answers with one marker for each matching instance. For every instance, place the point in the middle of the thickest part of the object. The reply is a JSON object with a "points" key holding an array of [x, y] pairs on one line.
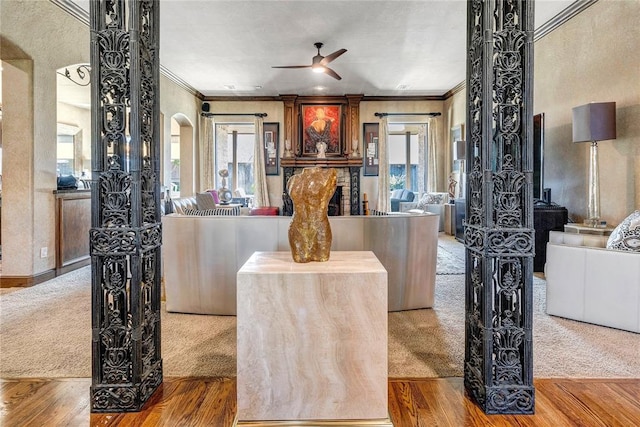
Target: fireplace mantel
{"points": [[328, 162]]}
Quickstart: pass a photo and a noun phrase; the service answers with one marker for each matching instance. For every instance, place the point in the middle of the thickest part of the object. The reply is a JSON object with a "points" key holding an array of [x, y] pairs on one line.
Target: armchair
{"points": [[400, 196]]}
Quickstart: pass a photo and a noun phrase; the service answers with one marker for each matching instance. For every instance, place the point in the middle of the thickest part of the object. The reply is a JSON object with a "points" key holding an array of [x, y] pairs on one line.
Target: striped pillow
{"points": [[234, 211], [377, 213]]}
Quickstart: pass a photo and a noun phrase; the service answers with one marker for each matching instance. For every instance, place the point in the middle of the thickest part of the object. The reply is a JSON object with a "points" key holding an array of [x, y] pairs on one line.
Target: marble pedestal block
{"points": [[312, 340]]}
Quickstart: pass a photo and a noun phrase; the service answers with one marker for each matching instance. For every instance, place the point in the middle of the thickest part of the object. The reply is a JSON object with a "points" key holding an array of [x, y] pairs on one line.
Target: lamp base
{"points": [[595, 223]]}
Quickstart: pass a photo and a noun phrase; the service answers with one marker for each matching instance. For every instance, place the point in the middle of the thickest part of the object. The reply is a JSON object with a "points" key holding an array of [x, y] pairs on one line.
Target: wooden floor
{"points": [[424, 402]]}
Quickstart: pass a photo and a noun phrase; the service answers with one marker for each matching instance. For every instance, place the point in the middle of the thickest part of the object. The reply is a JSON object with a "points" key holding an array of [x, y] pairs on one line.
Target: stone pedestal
{"points": [[312, 341]]}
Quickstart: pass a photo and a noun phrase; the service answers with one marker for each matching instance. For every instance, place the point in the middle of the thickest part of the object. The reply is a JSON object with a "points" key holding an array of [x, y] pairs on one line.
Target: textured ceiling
{"points": [[227, 48]]}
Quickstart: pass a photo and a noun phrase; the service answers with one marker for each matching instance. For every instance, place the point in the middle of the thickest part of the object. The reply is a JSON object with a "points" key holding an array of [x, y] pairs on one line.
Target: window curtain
{"points": [[208, 153], [432, 157], [384, 203], [422, 159], [261, 193]]}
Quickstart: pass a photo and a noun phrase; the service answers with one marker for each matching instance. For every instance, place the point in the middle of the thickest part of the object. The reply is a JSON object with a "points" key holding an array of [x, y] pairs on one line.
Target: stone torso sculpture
{"points": [[310, 231]]}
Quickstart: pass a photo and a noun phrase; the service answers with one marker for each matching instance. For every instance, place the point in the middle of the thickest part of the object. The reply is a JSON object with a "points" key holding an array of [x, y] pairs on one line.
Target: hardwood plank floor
{"points": [[415, 402]]}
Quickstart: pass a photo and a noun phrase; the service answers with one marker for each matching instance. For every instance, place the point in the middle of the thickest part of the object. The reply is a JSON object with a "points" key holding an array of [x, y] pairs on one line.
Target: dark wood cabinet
{"points": [[546, 219], [73, 222], [461, 211]]}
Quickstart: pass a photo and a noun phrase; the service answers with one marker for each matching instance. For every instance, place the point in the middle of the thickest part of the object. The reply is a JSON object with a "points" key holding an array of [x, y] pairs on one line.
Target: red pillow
{"points": [[214, 193]]}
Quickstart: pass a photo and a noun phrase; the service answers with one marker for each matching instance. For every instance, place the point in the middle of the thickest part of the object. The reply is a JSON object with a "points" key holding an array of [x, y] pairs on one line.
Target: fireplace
{"points": [[335, 204], [347, 201]]}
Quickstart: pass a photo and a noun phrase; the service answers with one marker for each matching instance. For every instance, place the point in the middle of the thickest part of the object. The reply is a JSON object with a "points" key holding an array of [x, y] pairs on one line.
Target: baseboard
{"points": [[26, 281]]}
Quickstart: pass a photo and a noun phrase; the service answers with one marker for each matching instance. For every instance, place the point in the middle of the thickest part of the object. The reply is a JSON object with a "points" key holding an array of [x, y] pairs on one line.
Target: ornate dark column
{"points": [[354, 177], [499, 235], [125, 235]]}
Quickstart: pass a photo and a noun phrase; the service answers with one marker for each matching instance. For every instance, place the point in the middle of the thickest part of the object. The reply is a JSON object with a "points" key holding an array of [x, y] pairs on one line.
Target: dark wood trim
{"points": [[73, 265], [325, 99], [457, 88], [329, 162], [26, 281]]}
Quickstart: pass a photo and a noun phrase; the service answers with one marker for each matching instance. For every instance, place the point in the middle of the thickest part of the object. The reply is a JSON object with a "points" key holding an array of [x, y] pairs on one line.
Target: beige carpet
{"points": [[45, 331]]}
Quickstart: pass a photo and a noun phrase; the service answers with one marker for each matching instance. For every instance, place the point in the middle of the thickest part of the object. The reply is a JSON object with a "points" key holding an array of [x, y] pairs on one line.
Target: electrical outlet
{"points": [[44, 252]]}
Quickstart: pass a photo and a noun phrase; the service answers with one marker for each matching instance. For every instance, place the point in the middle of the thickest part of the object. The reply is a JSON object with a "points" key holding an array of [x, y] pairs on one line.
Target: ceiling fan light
{"points": [[318, 69]]}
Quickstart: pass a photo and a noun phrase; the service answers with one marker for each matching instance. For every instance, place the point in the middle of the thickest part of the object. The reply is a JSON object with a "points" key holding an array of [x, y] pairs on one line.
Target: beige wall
{"points": [[368, 109], [30, 172], [275, 114], [593, 57], [180, 104], [29, 125]]}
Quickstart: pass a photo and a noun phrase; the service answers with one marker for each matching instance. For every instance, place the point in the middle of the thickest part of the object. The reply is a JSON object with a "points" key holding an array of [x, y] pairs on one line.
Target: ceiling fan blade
{"points": [[332, 73], [332, 56], [292, 66]]}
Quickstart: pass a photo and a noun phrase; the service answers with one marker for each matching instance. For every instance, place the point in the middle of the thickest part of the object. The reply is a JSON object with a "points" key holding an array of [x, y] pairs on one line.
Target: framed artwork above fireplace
{"points": [[321, 123]]}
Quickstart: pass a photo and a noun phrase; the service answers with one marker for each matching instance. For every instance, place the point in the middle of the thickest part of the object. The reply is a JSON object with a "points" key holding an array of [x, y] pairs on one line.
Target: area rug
{"points": [[45, 331]]}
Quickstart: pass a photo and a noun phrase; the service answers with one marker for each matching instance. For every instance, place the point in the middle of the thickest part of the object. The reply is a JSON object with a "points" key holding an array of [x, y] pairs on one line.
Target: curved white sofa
{"points": [[202, 255], [589, 283]]}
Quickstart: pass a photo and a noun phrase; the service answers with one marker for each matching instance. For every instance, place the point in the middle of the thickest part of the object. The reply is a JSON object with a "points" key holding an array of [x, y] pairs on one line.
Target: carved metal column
{"points": [[499, 235], [126, 229]]}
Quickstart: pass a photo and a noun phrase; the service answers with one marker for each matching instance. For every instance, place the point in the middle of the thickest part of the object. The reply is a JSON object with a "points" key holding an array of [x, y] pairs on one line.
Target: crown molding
{"points": [[572, 10], [457, 88], [73, 9]]}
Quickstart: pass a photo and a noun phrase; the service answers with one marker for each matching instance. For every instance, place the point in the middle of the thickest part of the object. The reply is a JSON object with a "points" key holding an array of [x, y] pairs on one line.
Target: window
{"points": [[175, 165], [404, 159], [234, 152]]}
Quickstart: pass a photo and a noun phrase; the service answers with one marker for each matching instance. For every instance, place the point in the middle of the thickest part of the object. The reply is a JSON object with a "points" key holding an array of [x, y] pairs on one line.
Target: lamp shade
{"points": [[594, 122]]}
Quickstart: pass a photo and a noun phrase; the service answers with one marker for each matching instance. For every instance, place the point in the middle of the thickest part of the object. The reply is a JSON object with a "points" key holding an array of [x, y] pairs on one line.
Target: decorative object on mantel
{"points": [[592, 123], [321, 146], [355, 149], [287, 149], [310, 232], [224, 194]]}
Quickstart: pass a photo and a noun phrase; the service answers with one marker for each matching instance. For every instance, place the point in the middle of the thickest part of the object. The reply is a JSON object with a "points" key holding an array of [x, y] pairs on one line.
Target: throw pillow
{"points": [[422, 203], [205, 201], [397, 194], [214, 193], [435, 198], [626, 236], [234, 211]]}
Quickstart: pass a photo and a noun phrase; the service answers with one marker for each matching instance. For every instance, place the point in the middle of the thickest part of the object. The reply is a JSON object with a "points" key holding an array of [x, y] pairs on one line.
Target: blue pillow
{"points": [[397, 194]]}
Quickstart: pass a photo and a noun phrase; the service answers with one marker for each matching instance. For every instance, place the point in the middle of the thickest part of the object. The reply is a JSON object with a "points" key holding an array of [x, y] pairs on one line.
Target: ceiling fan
{"points": [[319, 62]]}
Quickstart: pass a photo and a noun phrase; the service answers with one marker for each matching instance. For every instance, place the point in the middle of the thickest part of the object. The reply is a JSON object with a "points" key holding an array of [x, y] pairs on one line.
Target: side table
{"points": [[585, 229], [312, 341]]}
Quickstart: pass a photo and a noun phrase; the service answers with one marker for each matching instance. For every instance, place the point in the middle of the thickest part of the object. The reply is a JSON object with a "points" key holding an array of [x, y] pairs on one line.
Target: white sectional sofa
{"points": [[428, 202], [589, 283], [201, 255]]}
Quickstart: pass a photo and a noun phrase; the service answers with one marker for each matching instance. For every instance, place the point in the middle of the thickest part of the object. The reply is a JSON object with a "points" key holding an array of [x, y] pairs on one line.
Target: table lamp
{"points": [[592, 123]]}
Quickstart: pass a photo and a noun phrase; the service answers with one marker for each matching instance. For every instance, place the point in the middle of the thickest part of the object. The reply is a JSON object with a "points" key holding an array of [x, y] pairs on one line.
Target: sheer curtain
{"points": [[384, 204], [422, 159], [432, 156], [208, 153], [261, 193]]}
